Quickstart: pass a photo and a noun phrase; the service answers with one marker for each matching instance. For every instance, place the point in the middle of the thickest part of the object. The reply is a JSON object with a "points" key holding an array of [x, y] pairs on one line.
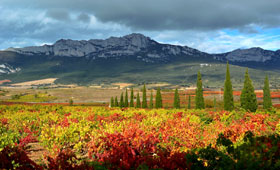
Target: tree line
{"points": [[248, 97]]}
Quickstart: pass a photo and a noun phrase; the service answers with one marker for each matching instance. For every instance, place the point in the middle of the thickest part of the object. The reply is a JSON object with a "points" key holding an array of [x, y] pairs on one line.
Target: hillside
{"points": [[134, 58]]}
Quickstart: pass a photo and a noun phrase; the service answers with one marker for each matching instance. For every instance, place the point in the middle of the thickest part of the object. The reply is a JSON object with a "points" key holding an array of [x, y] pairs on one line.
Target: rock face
{"points": [[142, 48], [138, 45], [8, 69]]}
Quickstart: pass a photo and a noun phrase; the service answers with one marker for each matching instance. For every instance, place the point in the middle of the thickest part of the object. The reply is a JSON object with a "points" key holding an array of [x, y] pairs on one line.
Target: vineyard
{"points": [[85, 137]]}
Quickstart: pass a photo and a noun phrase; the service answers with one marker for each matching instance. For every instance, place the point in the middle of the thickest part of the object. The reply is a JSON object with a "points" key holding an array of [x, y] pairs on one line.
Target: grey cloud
{"points": [[171, 14], [58, 14], [84, 18]]}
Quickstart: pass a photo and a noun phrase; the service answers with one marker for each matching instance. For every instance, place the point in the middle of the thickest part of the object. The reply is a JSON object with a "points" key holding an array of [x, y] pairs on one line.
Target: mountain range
{"points": [[133, 58]]}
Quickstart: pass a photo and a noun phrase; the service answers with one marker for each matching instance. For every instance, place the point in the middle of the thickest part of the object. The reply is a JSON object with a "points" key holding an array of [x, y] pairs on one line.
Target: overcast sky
{"points": [[208, 25]]}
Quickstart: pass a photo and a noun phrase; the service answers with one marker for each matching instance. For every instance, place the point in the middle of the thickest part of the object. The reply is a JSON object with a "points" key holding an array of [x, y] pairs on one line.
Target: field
{"points": [[85, 137]]}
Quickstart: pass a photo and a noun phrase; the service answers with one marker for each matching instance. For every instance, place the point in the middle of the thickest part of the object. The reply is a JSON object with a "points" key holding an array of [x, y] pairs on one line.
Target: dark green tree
{"points": [[151, 100], [116, 102], [138, 102], [228, 95], [214, 104], [144, 98], [126, 99], [189, 103], [131, 104], [176, 103], [121, 101], [248, 97], [158, 99], [267, 104], [199, 100], [112, 102]]}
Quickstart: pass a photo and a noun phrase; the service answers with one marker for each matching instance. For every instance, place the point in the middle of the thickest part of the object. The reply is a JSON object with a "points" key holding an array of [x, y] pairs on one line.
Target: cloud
{"points": [[208, 25], [165, 14], [58, 14]]}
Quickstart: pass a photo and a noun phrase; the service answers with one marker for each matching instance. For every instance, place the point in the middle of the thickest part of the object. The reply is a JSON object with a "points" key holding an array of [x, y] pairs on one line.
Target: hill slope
{"points": [[133, 58]]}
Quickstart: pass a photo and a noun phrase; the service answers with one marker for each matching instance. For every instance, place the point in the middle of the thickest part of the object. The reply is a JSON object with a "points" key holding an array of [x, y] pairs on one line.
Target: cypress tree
{"points": [[121, 101], [248, 97], [189, 103], [199, 100], [214, 103], [131, 98], [267, 104], [176, 103], [112, 102], [228, 96], [116, 102], [138, 103], [144, 98], [151, 100], [126, 99], [158, 99]]}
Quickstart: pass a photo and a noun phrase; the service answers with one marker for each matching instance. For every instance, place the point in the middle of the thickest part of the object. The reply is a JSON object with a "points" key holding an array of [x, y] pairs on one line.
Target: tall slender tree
{"points": [[121, 101], [112, 102], [214, 104], [131, 104], [189, 103], [144, 98], [176, 103], [228, 94], [151, 100], [126, 99], [138, 102], [116, 102], [199, 100], [248, 97], [158, 99], [267, 104]]}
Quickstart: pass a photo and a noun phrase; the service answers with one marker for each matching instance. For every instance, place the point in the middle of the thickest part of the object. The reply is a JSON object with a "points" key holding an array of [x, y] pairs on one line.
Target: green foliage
{"points": [[176, 103], [151, 100], [131, 104], [228, 94], [71, 102], [8, 137], [126, 99], [248, 97], [112, 104], [138, 102], [38, 97], [267, 104], [144, 98], [254, 153], [158, 99], [189, 102], [214, 103], [121, 101], [199, 100], [116, 102]]}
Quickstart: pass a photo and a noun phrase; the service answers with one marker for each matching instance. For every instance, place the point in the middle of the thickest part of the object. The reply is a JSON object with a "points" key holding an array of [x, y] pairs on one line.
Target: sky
{"points": [[212, 26]]}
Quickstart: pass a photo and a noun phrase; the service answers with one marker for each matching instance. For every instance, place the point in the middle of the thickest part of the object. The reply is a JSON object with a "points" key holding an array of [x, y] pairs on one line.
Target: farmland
{"points": [[94, 137]]}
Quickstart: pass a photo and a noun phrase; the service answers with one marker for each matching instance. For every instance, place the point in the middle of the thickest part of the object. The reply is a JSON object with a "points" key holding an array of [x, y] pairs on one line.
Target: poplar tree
{"points": [[199, 100], [228, 95], [248, 97], [189, 103], [144, 98], [121, 101], [176, 103], [158, 99], [151, 100], [131, 98], [116, 102], [267, 104], [126, 99], [138, 103], [112, 102]]}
